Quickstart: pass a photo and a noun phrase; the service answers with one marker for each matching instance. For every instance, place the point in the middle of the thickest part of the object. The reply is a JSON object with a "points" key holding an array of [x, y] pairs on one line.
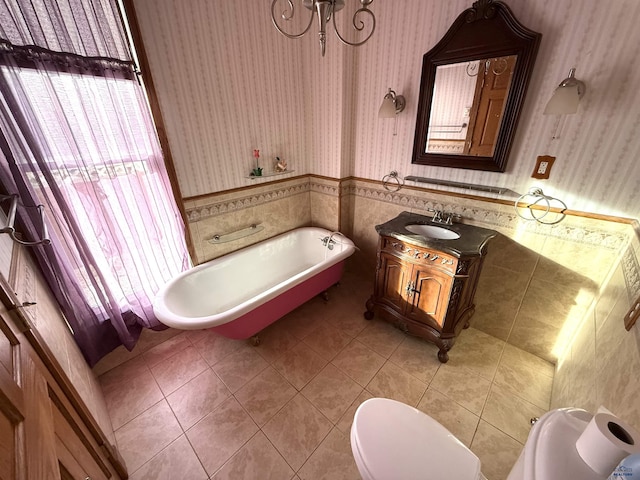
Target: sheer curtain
{"points": [[76, 135]]}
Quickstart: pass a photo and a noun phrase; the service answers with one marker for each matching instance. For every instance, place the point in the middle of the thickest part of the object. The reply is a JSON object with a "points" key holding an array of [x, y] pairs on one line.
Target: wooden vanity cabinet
{"points": [[423, 291]]}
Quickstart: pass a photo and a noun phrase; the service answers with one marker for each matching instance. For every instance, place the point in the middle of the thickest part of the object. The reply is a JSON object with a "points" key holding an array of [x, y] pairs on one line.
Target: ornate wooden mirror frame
{"points": [[486, 31]]}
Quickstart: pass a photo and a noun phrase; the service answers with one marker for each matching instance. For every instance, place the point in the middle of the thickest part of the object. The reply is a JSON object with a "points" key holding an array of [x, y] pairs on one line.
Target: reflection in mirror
{"points": [[467, 106], [472, 89]]}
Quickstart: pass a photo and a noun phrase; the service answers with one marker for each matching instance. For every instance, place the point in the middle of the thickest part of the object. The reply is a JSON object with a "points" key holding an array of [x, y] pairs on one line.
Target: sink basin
{"points": [[432, 231]]}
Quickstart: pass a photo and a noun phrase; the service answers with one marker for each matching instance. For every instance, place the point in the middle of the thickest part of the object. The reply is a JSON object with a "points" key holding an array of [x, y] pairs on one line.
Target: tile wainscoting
{"points": [[601, 364], [280, 206]]}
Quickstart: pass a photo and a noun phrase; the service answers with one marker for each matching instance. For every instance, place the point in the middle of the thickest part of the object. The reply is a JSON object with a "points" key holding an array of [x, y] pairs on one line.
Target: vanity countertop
{"points": [[472, 239]]}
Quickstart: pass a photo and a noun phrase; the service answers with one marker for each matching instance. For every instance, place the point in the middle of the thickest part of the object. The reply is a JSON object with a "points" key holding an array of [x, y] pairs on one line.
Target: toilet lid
{"points": [[394, 441]]}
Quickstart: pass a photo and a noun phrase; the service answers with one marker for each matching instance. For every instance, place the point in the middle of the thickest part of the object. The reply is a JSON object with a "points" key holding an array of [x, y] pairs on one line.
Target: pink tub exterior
{"points": [[241, 293]]}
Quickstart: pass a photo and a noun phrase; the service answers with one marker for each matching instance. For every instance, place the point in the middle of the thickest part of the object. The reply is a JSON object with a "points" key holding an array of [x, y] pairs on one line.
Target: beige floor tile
{"points": [[327, 341], [256, 460], [197, 398], [359, 362], [275, 340], [147, 434], [123, 373], [455, 418], [306, 318], [240, 367], [462, 386], [175, 371], [151, 338], [526, 375], [478, 352], [129, 390], [509, 413], [178, 460], [417, 357], [263, 396], [496, 450], [393, 382], [166, 349], [213, 347], [345, 422], [299, 365], [381, 337], [297, 430], [116, 358], [332, 460], [348, 317], [220, 434], [332, 392]]}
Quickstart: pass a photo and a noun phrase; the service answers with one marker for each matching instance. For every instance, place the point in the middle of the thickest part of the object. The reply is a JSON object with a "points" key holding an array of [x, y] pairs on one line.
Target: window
{"points": [[77, 136]]}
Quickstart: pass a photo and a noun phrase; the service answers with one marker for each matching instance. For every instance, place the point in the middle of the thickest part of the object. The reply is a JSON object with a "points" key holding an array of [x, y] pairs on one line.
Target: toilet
{"points": [[391, 440]]}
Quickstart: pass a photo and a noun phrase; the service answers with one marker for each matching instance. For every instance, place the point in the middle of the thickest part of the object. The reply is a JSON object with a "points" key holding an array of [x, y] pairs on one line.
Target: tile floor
{"points": [[194, 405]]}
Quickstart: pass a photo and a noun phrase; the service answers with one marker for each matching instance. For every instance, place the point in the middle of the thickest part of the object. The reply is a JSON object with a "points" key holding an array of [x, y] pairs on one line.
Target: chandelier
{"points": [[325, 10]]}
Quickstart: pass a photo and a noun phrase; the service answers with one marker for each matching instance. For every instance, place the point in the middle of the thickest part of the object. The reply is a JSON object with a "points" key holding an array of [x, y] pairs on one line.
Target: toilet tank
{"points": [[550, 452]]}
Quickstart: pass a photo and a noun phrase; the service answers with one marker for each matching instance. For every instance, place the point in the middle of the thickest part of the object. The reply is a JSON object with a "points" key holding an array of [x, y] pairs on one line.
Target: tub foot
{"points": [[255, 340], [325, 295]]}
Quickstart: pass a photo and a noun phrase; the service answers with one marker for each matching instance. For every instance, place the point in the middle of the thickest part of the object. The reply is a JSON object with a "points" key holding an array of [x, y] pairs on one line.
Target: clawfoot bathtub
{"points": [[241, 293]]}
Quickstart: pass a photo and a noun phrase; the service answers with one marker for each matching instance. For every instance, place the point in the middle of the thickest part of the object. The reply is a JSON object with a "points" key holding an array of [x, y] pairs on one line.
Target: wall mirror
{"points": [[472, 89]]}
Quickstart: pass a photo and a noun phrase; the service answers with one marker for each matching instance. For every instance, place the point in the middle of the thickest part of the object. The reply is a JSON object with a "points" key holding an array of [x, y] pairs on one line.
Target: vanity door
{"points": [[392, 284], [429, 298]]}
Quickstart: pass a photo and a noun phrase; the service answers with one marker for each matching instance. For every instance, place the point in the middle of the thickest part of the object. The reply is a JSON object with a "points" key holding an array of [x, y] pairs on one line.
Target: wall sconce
{"points": [[392, 105], [566, 97]]}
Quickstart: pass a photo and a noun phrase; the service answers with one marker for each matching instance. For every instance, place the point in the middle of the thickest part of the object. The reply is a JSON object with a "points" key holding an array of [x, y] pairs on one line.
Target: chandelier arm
{"points": [[358, 25], [287, 16]]}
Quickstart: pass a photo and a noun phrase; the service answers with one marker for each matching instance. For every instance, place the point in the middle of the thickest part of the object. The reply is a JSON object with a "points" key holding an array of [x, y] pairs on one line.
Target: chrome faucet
{"points": [[440, 216], [329, 242], [448, 219]]}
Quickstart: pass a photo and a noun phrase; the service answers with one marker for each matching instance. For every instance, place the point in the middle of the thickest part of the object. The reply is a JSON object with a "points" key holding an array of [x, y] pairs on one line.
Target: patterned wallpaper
{"points": [[228, 83]]}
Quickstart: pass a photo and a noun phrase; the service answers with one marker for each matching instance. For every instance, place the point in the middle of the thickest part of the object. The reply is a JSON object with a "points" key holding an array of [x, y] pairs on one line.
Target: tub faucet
{"points": [[329, 242]]}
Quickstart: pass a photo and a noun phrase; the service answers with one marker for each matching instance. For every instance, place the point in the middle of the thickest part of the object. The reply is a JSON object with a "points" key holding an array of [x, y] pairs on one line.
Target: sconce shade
{"points": [[392, 105], [566, 97], [388, 108]]}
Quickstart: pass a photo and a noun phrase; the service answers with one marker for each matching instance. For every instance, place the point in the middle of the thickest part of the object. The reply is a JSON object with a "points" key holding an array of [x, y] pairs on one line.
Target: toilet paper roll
{"points": [[606, 441]]}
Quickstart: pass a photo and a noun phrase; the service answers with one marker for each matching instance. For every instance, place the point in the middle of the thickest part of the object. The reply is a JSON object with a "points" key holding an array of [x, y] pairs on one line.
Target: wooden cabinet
{"points": [[46, 432], [423, 291]]}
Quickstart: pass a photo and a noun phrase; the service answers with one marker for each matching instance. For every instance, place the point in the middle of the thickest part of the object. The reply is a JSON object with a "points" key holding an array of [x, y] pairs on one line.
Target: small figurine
{"points": [[281, 165]]}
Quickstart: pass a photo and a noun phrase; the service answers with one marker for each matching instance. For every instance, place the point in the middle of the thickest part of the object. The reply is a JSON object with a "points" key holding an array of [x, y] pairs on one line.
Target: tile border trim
{"points": [[195, 214], [631, 272], [494, 217]]}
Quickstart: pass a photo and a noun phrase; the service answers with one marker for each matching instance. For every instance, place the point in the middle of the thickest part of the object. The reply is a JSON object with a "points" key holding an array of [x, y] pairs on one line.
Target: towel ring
{"points": [[539, 196], [393, 175]]}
